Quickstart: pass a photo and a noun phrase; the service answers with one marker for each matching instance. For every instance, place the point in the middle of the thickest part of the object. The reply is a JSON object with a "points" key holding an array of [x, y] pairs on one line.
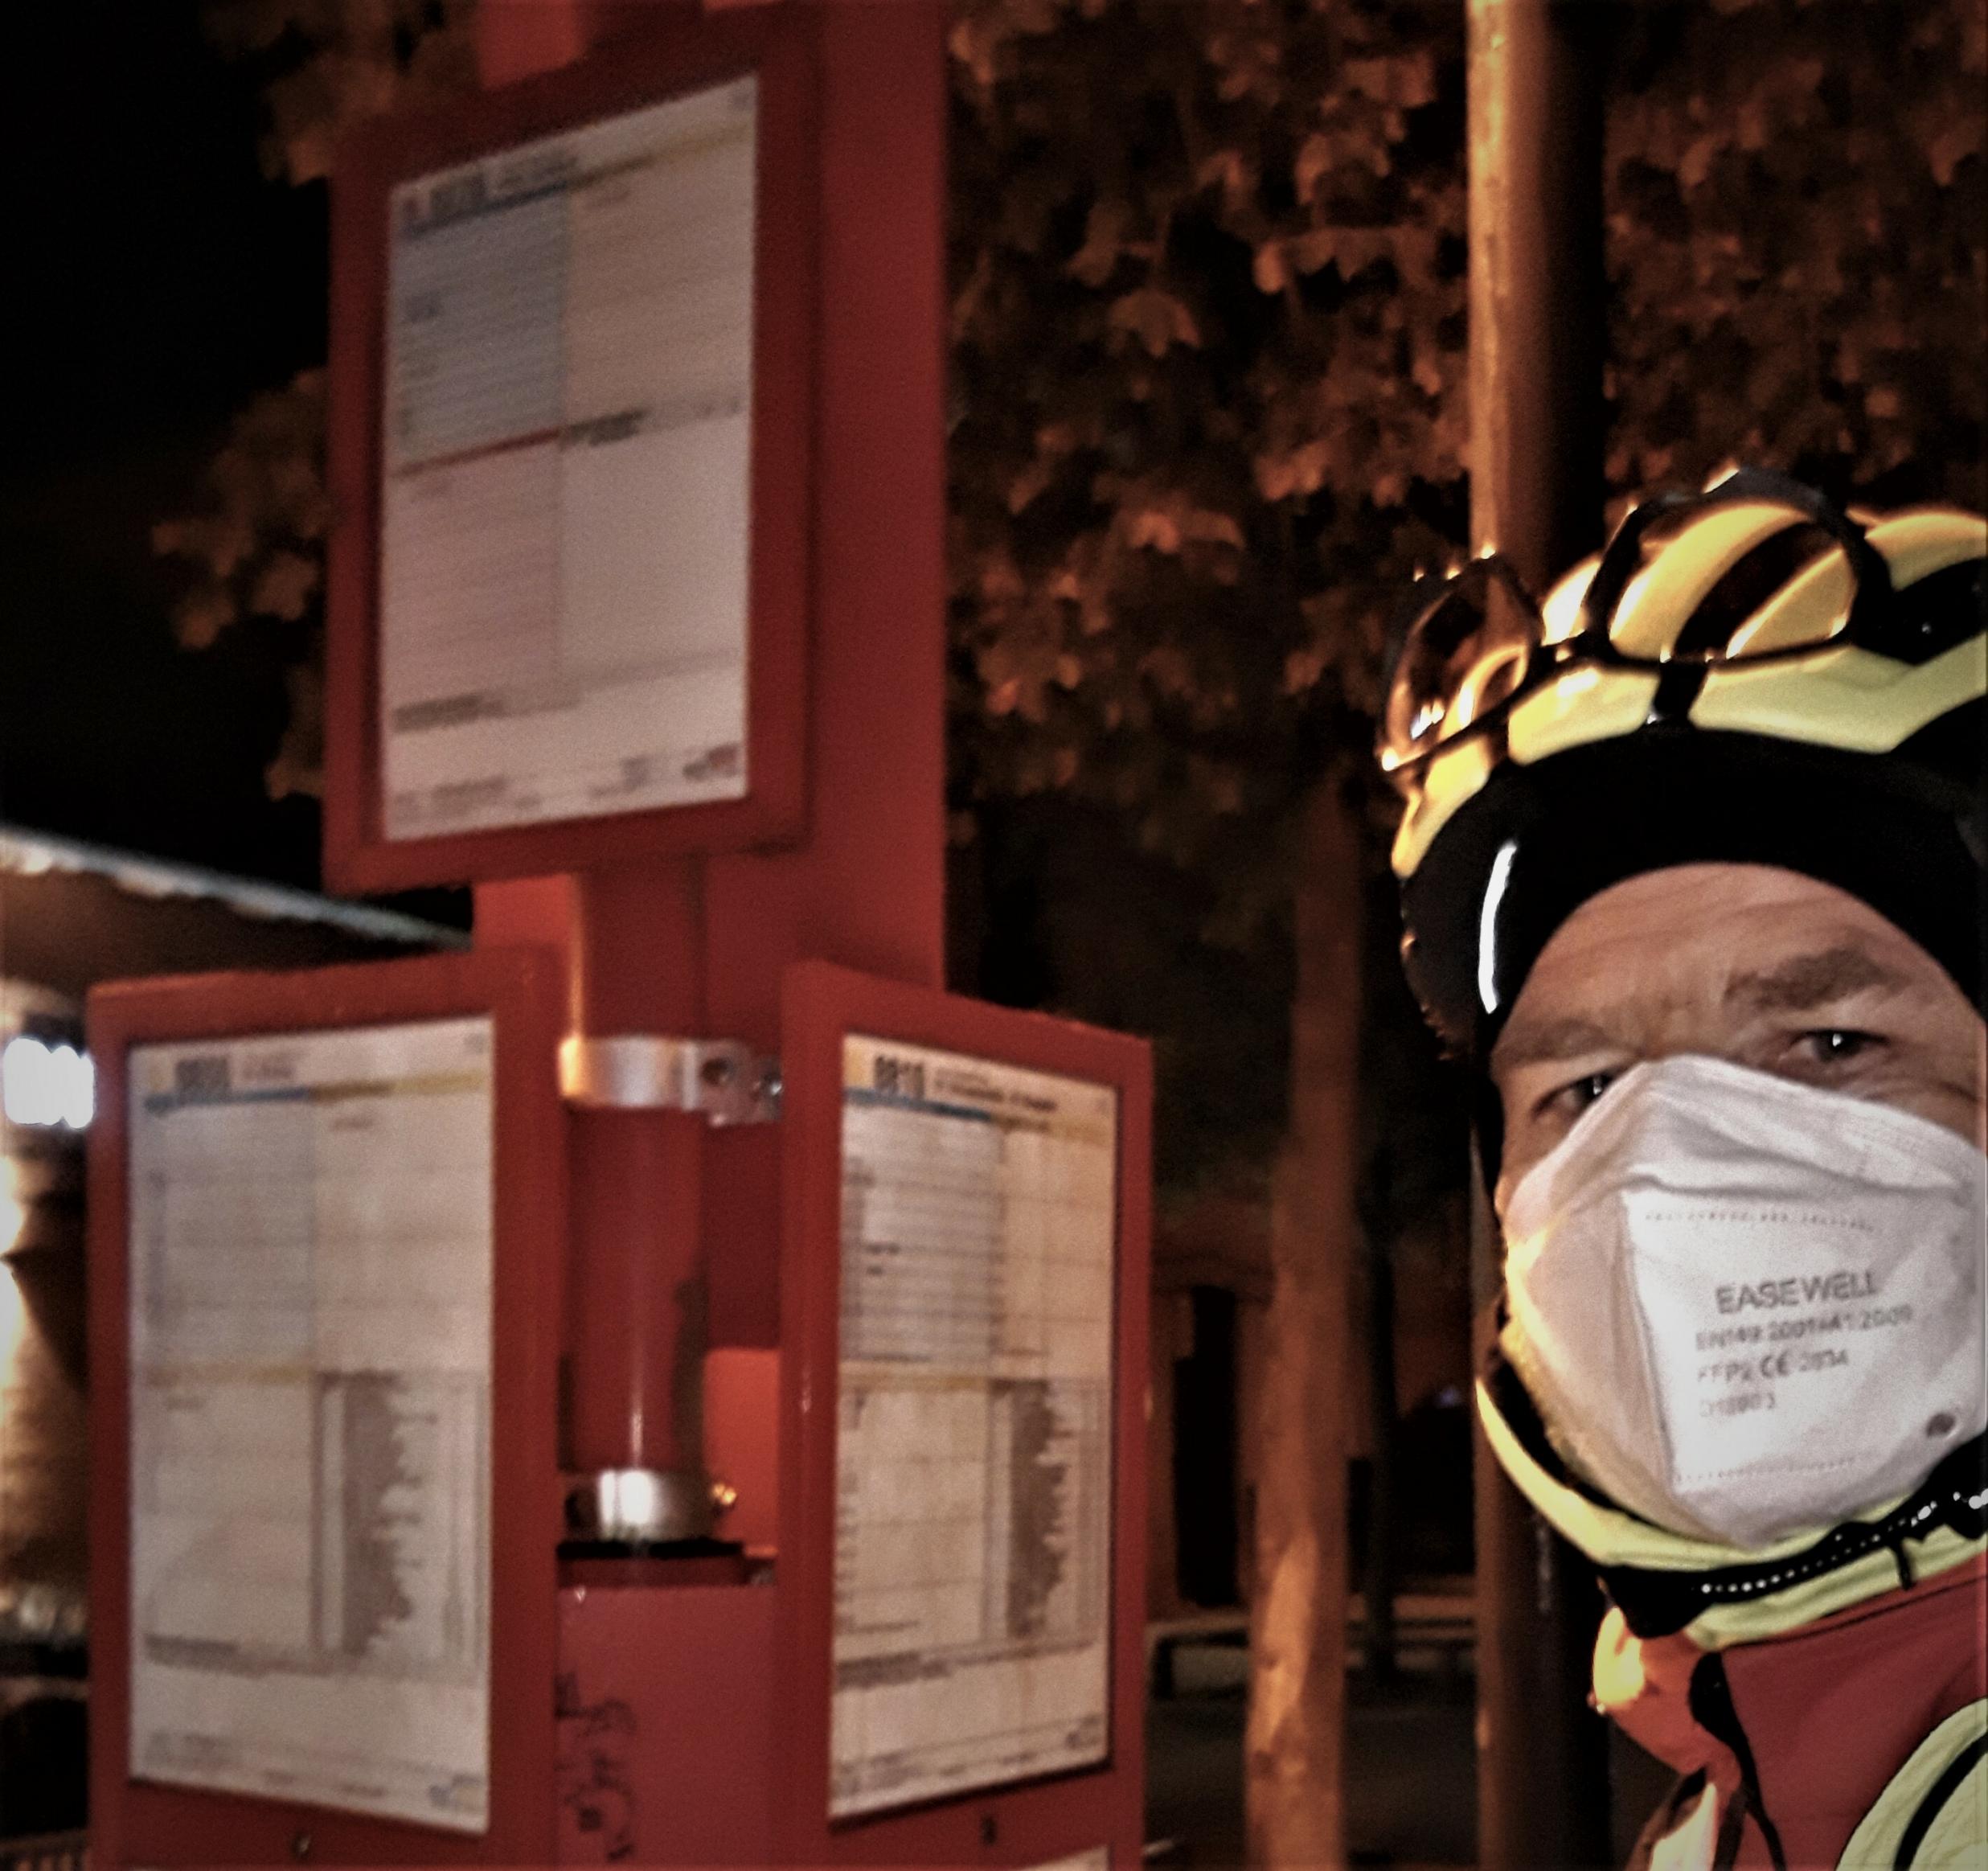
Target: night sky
{"points": [[158, 282]]}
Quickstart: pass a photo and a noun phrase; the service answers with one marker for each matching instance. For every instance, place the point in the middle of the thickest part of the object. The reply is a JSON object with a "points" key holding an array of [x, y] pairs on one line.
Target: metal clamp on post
{"points": [[725, 1079], [640, 1507]]}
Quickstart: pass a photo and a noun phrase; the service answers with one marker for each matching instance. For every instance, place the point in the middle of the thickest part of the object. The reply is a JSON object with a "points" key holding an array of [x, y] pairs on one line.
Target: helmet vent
{"points": [[1757, 575]]}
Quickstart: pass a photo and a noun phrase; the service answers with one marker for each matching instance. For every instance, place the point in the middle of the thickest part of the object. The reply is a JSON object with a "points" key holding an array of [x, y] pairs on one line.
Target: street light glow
{"points": [[42, 1084]]}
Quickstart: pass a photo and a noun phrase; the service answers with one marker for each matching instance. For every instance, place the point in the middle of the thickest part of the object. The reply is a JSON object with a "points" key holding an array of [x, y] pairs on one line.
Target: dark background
{"points": [[156, 281]]}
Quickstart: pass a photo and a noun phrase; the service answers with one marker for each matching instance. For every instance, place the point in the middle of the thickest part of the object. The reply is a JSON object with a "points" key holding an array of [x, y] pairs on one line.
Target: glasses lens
{"points": [[1465, 654]]}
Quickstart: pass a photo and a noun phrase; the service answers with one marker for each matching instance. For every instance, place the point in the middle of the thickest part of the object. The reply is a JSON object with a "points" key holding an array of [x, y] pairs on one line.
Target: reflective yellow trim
{"points": [[1586, 703], [1957, 1839], [1452, 776], [1610, 1537], [1658, 600], [1842, 697], [1726, 1625]]}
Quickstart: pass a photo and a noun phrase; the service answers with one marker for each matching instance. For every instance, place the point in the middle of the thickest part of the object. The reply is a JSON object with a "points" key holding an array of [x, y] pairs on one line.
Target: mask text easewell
{"points": [[1746, 1307]]}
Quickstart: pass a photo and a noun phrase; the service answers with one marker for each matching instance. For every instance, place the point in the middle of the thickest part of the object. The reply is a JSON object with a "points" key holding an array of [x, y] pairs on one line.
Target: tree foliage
{"points": [[1798, 259], [332, 64], [1209, 408], [1209, 346], [254, 546], [256, 551], [1209, 349]]}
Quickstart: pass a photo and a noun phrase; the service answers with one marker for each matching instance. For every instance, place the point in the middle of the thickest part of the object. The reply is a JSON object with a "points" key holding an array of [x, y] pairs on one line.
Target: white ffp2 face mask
{"points": [[1745, 1306]]}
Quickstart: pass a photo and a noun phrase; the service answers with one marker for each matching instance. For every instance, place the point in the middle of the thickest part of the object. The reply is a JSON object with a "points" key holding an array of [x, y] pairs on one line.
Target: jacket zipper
{"points": [[1712, 1708]]}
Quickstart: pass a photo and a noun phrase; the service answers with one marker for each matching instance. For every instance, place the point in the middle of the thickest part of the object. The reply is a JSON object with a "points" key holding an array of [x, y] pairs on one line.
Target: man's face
{"points": [[1761, 967]]}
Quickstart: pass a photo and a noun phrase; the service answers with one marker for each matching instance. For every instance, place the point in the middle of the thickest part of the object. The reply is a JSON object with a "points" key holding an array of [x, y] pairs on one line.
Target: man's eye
{"points": [[1836, 1045], [1573, 1099]]}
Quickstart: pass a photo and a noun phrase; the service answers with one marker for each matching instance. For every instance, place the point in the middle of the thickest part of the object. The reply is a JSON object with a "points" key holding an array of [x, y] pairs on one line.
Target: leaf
{"points": [[1156, 318], [1104, 242], [1314, 162], [285, 584], [202, 615]]}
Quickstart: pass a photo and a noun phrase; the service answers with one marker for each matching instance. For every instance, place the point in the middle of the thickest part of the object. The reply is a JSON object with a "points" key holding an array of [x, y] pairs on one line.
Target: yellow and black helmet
{"points": [[1745, 675]]}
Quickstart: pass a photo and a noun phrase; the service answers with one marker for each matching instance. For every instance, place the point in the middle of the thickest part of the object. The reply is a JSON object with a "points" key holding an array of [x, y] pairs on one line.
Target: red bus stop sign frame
{"points": [[1050, 1817], [683, 54], [134, 1820]]}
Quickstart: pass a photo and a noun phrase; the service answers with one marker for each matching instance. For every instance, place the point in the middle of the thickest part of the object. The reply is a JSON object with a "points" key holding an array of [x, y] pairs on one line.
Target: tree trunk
{"points": [[1295, 1809], [1378, 1575]]}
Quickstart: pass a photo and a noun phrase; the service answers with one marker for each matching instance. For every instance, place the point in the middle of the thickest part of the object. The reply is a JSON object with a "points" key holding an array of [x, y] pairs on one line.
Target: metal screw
{"points": [[989, 1829], [1942, 1424], [299, 1847]]}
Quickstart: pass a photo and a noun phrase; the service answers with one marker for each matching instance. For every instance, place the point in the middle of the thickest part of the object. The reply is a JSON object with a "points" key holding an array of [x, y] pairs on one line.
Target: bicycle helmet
{"points": [[1745, 675]]}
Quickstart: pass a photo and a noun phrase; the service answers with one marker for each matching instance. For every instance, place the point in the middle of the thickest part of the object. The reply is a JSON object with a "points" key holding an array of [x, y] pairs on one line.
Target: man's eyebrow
{"points": [[1543, 1042], [1805, 982]]}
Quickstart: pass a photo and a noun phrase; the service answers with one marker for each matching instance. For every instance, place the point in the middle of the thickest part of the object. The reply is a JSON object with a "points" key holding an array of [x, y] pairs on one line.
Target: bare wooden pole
{"points": [[1536, 347], [1537, 314]]}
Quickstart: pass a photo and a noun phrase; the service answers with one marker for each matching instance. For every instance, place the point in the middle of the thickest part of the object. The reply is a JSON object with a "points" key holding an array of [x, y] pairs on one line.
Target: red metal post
{"points": [[636, 1297], [695, 947], [634, 939], [868, 887]]}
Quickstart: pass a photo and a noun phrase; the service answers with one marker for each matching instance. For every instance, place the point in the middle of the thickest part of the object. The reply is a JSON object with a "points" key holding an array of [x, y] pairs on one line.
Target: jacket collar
{"points": [[1718, 1595]]}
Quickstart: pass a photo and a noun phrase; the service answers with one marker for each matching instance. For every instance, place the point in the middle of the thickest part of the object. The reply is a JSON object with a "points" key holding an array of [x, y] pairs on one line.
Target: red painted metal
{"points": [[868, 889], [1037, 1821], [635, 1294], [638, 952], [742, 1442], [667, 1696], [132, 1821], [532, 912], [741, 1207], [679, 50], [648, 1570], [520, 39]]}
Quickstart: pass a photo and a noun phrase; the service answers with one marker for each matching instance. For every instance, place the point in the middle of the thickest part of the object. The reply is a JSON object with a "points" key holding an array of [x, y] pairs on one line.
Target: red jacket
{"points": [[1827, 1698], [1797, 1737]]}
